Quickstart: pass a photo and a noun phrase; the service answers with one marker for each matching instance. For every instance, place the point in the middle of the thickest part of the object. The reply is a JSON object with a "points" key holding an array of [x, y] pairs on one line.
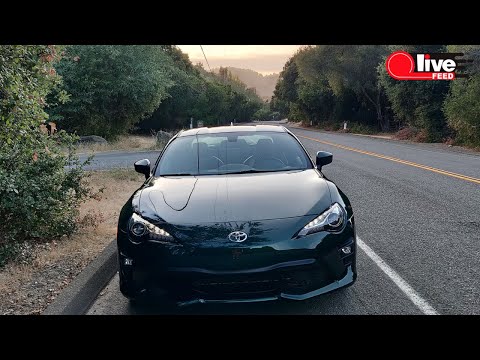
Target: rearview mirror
{"points": [[323, 158], [143, 167]]}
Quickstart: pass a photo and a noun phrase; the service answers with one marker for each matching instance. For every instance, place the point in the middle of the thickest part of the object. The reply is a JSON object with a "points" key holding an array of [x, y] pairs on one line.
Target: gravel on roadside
{"points": [[28, 286], [32, 295]]}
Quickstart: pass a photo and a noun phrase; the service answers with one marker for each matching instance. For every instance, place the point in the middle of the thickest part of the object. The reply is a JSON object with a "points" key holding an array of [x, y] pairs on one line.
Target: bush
{"points": [[330, 126], [41, 188], [407, 133], [42, 183], [358, 128], [462, 105], [462, 108], [265, 114]]}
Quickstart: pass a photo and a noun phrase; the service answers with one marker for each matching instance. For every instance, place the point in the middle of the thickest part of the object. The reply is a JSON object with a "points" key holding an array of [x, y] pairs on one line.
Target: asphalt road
{"points": [[118, 159], [417, 210]]}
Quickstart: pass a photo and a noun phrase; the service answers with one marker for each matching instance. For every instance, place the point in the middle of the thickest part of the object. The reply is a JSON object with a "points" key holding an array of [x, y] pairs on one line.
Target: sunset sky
{"points": [[265, 59]]}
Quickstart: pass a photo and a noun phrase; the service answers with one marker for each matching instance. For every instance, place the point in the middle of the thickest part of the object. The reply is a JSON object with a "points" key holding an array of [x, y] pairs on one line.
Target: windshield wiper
{"points": [[178, 174], [251, 171]]}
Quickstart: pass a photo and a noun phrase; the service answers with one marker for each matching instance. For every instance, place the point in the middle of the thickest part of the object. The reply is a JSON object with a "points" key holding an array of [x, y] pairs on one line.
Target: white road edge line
{"points": [[414, 297]]}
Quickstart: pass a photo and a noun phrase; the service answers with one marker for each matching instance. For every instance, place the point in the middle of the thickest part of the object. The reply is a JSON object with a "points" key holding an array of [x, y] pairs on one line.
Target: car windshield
{"points": [[232, 153]]}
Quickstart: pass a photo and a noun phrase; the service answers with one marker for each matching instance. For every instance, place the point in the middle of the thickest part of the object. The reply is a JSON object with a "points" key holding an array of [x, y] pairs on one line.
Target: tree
{"points": [[216, 99], [285, 93], [347, 68], [462, 105], [417, 103], [112, 87], [41, 180], [27, 77]]}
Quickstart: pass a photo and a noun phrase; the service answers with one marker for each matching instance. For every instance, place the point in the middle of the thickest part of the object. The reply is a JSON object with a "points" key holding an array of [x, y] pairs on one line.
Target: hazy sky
{"points": [[265, 59]]}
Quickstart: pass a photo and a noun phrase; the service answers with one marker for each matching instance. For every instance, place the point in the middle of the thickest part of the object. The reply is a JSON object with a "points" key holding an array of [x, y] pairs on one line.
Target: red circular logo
{"points": [[400, 65]]}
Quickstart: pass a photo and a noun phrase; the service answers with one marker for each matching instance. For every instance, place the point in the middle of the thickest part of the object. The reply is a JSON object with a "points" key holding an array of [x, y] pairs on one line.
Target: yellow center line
{"points": [[405, 162]]}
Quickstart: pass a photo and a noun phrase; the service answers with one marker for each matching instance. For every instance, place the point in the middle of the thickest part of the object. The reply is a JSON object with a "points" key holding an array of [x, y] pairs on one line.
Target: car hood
{"points": [[233, 198]]}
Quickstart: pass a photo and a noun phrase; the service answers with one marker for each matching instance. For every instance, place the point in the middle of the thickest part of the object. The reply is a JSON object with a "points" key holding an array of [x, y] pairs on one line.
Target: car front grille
{"points": [[236, 285]]}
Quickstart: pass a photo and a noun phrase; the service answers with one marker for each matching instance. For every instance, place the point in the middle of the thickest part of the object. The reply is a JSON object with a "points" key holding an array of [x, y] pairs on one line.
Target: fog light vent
{"points": [[346, 250]]}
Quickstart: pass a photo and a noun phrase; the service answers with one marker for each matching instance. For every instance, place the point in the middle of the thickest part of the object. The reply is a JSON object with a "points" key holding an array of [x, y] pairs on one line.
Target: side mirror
{"points": [[143, 167], [323, 158]]}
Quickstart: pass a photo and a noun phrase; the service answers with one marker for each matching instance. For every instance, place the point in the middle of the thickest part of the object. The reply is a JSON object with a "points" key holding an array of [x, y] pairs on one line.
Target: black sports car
{"points": [[235, 214]]}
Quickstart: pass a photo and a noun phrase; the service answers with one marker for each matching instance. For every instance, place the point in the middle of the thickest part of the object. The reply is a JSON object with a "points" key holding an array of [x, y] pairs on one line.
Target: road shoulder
{"points": [[77, 298]]}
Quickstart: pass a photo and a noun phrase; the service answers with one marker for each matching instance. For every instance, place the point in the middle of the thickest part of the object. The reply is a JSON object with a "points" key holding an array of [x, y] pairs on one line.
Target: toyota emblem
{"points": [[237, 236]]}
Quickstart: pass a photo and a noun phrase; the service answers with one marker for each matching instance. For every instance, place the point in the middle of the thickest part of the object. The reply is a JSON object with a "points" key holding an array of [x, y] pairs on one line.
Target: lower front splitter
{"points": [[348, 279]]}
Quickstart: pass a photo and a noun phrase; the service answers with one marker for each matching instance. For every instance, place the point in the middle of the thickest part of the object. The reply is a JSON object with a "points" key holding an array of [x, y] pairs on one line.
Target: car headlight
{"points": [[140, 230], [333, 220]]}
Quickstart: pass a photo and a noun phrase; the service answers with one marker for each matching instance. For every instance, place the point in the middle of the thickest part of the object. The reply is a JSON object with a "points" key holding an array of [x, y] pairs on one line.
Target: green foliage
{"points": [[115, 88], [417, 103], [326, 84], [329, 84], [359, 128], [112, 87], [462, 106], [285, 95], [38, 197], [266, 114], [27, 76], [39, 194], [215, 99]]}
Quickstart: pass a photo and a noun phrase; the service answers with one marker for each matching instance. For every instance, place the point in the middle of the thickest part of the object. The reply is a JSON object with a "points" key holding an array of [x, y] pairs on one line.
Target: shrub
{"points": [[41, 188], [359, 128], [42, 183], [330, 126], [462, 109], [422, 136], [407, 133], [462, 105]]}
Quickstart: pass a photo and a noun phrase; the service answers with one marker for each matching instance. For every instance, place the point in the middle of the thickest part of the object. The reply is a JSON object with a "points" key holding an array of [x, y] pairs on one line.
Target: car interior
{"points": [[230, 153]]}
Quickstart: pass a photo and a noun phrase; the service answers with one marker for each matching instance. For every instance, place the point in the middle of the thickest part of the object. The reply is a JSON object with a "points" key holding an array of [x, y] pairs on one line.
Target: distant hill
{"points": [[264, 85]]}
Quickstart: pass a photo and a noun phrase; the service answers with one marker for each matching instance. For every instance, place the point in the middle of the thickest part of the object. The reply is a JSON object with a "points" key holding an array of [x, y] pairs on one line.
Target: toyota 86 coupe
{"points": [[235, 214]]}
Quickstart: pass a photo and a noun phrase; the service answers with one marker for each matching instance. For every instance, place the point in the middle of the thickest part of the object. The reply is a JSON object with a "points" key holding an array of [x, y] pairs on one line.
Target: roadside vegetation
{"points": [[325, 85], [114, 90], [103, 90], [41, 184], [30, 283], [56, 216], [123, 142]]}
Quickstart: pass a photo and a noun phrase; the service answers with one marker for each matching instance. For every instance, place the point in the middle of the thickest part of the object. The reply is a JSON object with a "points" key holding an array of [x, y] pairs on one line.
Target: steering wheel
{"points": [[277, 159], [272, 158]]}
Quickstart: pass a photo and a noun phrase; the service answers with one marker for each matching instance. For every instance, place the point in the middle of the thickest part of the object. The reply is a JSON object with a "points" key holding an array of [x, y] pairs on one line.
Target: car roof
{"points": [[229, 129]]}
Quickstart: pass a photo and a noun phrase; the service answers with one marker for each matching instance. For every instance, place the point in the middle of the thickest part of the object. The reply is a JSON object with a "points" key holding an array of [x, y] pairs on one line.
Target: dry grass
{"points": [[126, 142], [99, 216], [98, 219]]}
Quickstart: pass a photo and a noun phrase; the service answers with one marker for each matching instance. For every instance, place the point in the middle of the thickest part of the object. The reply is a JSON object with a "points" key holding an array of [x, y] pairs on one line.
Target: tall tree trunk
{"points": [[382, 121]]}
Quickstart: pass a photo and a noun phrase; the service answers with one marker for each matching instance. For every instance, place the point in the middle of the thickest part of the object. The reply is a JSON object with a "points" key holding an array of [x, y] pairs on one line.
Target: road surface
{"points": [[417, 210], [118, 159]]}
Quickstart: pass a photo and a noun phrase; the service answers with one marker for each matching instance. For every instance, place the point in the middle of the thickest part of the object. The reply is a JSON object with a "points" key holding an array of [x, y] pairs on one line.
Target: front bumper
{"points": [[320, 268], [347, 280]]}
